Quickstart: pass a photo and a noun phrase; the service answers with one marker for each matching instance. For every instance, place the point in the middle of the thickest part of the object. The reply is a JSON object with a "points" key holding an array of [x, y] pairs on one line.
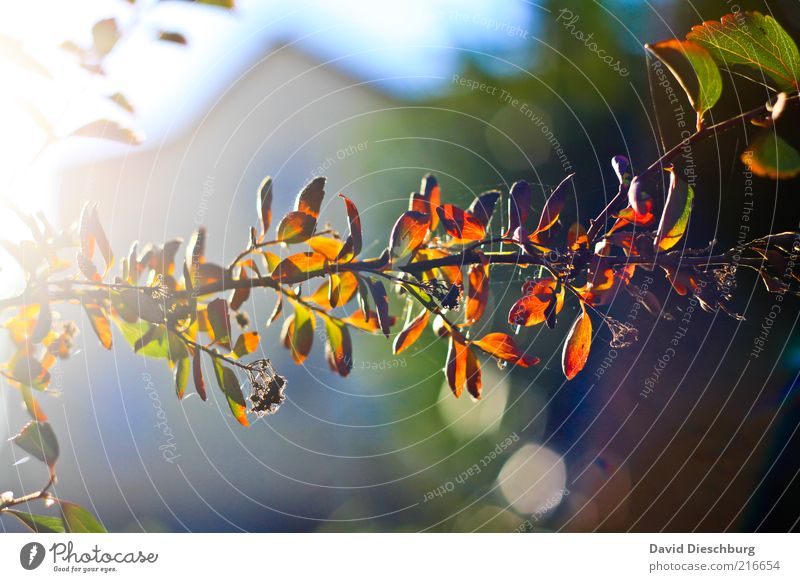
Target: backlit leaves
{"points": [[296, 227], [197, 375], [411, 332], [246, 343], [297, 267], [264, 204], [532, 308], [298, 332], [309, 200], [352, 246], [79, 520], [99, 323], [754, 41], [477, 292], [483, 207], [339, 347], [229, 384], [519, 206], [220, 321], [456, 366], [408, 233], [92, 236], [577, 344], [503, 347], [553, 206], [39, 523], [675, 217], [381, 302], [705, 89], [460, 224]]}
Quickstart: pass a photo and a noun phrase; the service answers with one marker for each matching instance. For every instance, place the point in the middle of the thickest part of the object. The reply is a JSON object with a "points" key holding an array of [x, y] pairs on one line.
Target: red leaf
{"points": [[577, 344], [409, 232], [553, 206], [519, 206], [503, 347], [381, 305], [461, 225], [483, 206], [530, 309], [473, 372]]}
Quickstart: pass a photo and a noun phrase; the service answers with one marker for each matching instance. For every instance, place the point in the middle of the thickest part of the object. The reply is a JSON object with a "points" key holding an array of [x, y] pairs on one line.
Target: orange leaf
{"points": [[461, 225], [326, 246], [409, 232], [296, 227], [553, 206], [577, 344], [576, 237], [456, 368], [503, 347], [359, 321], [477, 293], [530, 309], [339, 348], [299, 331], [296, 268], [100, 323], [411, 332], [473, 372], [241, 294], [246, 343]]}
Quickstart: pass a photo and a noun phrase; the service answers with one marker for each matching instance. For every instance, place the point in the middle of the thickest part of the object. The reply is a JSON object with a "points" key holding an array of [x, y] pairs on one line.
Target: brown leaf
{"points": [[519, 205], [483, 206], [381, 302], [220, 322], [553, 206], [241, 294], [532, 307]]}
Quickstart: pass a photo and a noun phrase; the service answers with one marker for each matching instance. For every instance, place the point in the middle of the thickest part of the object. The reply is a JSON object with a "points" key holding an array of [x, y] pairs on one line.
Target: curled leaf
{"points": [[339, 348], [675, 217]]}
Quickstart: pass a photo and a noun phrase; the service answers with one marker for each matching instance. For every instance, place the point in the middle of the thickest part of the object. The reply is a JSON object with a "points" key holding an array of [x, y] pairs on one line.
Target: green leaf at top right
{"points": [[708, 87], [754, 41]]}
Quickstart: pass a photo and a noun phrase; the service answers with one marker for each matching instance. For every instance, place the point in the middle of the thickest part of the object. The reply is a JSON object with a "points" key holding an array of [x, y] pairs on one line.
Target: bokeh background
{"points": [[370, 94]]}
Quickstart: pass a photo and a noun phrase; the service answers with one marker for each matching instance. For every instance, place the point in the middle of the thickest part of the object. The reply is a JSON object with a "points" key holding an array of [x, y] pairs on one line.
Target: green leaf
{"points": [[229, 384], [752, 40], [246, 343], [182, 370], [706, 87], [38, 439], [769, 156], [79, 520], [39, 523], [302, 329], [675, 217], [339, 349]]}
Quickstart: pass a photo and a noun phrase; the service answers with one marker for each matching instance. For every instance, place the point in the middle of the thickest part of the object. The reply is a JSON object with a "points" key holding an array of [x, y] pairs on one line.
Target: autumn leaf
{"points": [[352, 245], [298, 267], [181, 372], [530, 309], [411, 332], [473, 375], [246, 343], [108, 129], [519, 206], [461, 225], [326, 246], [264, 204], [99, 323], [229, 384], [483, 206], [553, 207], [409, 232], [770, 156], [296, 227], [298, 332], [220, 322], [456, 367], [577, 344], [381, 302], [197, 375], [309, 200], [368, 323], [240, 294], [503, 347], [675, 217], [339, 347], [477, 292]]}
